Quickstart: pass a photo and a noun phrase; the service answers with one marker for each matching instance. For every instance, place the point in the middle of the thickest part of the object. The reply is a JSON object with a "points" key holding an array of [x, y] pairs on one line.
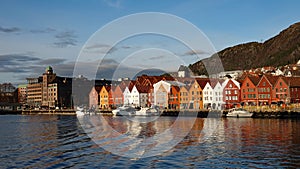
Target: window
{"points": [[264, 83]]}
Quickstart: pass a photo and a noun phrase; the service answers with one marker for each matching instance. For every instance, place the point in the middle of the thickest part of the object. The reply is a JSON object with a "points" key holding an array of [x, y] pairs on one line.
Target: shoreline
{"points": [[189, 113]]}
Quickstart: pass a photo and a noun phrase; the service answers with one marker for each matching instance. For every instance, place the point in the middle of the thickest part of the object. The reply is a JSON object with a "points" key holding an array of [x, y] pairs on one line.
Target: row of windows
{"points": [[52, 94], [249, 90], [229, 92], [250, 96], [264, 84], [281, 89], [263, 89], [52, 89], [281, 96], [294, 89], [264, 96], [231, 98]]}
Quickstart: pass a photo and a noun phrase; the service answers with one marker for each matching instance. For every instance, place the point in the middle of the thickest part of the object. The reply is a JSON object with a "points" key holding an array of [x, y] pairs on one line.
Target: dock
{"points": [[49, 112], [203, 113]]}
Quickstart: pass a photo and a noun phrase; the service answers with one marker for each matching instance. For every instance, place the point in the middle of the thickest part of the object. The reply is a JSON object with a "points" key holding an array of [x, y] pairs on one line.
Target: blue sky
{"points": [[35, 33]]}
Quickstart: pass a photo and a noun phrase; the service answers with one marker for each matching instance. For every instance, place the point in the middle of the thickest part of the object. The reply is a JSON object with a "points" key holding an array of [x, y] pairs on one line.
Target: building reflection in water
{"points": [[125, 137]]}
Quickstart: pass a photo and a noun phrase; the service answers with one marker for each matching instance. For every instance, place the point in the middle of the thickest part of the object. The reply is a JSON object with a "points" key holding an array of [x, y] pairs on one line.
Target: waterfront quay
{"points": [[258, 112], [54, 112]]}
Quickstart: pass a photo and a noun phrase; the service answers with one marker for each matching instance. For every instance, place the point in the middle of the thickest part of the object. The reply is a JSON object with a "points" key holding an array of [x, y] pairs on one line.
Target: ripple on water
{"points": [[60, 142]]}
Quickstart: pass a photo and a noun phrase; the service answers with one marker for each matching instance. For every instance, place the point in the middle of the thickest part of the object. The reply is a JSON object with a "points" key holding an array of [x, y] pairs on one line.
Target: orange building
{"points": [[249, 91], [265, 89], [104, 97], [281, 92], [195, 96], [174, 97], [184, 97]]}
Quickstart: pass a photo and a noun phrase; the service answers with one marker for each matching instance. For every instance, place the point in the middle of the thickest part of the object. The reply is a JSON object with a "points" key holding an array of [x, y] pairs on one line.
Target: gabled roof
{"points": [[98, 88], [236, 83], [131, 85], [142, 89], [253, 79], [183, 68], [272, 79], [202, 82], [213, 82], [186, 87], [107, 88]]}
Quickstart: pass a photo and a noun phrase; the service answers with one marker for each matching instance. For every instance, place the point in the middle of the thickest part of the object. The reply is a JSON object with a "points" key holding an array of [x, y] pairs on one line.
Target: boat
{"points": [[147, 111], [124, 110], [239, 112], [80, 111]]}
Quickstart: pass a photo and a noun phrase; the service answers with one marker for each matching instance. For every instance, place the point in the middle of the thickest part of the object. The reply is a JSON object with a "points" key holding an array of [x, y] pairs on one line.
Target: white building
{"points": [[127, 97], [161, 91], [218, 97], [213, 95], [207, 96], [135, 97]]}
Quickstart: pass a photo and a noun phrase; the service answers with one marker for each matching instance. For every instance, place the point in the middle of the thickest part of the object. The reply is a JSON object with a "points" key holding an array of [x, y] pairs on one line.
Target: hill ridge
{"points": [[280, 50]]}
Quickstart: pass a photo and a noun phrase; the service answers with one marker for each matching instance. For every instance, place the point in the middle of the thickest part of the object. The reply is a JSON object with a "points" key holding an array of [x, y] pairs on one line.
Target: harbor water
{"points": [[54, 141]]}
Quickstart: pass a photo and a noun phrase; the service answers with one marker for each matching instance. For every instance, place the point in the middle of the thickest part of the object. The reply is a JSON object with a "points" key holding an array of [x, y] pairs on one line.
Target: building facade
{"points": [[49, 91]]}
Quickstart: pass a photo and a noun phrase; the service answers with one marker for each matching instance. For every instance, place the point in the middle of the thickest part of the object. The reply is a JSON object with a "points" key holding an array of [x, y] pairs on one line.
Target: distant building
{"points": [[49, 90], [183, 71], [94, 97], [22, 93], [8, 97], [8, 93], [34, 92]]}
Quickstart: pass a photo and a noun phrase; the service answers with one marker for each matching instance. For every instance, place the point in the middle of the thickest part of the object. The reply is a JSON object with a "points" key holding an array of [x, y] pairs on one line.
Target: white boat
{"points": [[239, 112], [147, 111], [80, 111], [124, 111]]}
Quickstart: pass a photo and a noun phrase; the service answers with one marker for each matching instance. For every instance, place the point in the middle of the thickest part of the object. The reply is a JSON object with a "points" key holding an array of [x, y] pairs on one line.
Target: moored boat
{"points": [[239, 112], [124, 111], [80, 111], [147, 111]]}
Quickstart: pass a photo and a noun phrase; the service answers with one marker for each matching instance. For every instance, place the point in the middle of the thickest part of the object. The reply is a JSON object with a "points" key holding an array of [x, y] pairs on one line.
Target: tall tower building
{"points": [[48, 77]]}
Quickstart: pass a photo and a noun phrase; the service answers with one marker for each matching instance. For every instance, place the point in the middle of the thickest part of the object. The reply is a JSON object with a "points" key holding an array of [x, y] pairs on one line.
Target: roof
{"points": [[142, 89], [272, 79], [48, 68], [254, 79], [98, 88], [292, 81], [183, 68], [202, 82]]}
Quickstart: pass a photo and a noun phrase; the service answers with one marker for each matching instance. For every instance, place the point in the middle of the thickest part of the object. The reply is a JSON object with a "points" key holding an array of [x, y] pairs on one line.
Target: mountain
{"points": [[280, 50]]}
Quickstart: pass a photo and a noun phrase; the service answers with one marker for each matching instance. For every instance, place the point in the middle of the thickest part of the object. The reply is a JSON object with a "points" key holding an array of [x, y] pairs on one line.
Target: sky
{"points": [[63, 33]]}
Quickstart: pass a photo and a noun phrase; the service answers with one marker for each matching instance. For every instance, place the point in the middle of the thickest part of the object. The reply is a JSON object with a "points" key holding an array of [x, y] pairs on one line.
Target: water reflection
{"points": [[136, 139], [60, 142]]}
